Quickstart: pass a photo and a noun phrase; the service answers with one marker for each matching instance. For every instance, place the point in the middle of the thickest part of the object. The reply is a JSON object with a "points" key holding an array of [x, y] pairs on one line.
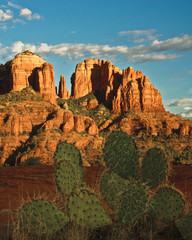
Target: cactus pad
{"points": [[85, 209], [69, 152], [133, 204], [184, 225], [154, 168], [111, 188], [121, 156], [167, 204], [42, 217], [67, 177]]}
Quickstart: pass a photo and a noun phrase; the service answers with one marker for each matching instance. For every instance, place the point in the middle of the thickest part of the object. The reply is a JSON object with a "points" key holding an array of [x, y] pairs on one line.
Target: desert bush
{"points": [[32, 161]]}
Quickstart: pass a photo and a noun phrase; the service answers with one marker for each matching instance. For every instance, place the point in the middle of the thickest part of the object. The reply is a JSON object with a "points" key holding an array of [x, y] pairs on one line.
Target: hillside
{"points": [[33, 118]]}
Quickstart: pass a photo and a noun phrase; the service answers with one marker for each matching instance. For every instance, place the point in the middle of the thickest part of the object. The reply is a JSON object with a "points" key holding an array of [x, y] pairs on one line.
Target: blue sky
{"points": [[152, 36]]}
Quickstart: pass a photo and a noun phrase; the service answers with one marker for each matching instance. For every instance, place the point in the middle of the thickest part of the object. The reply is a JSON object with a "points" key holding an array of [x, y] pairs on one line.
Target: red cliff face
{"points": [[125, 91], [137, 93], [91, 75], [28, 68]]}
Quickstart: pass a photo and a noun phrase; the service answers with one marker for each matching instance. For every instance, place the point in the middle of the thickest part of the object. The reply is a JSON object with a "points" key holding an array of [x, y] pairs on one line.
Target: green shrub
{"points": [[32, 161]]}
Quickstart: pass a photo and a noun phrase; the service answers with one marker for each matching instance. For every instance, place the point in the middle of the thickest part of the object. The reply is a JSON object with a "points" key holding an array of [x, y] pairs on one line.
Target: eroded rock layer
{"points": [[28, 68], [121, 91], [96, 75]]}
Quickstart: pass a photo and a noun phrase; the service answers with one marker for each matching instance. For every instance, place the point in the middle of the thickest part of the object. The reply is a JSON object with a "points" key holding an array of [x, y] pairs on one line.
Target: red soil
{"points": [[24, 182]]}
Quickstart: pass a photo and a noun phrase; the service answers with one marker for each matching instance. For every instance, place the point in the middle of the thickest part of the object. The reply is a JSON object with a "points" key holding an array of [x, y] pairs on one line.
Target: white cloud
{"points": [[177, 43], [17, 47], [185, 106], [187, 114], [36, 16], [6, 16], [188, 108], [139, 54], [27, 13], [9, 18], [136, 33], [189, 72], [10, 4], [140, 36], [3, 26], [182, 102]]}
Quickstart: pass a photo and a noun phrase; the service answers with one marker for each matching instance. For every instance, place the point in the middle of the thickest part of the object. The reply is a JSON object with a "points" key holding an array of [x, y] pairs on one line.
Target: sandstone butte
{"points": [[120, 91], [33, 127], [28, 69]]}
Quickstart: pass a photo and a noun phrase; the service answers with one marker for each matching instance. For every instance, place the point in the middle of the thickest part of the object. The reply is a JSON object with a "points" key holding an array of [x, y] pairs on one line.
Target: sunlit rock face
{"points": [[63, 92], [121, 91], [28, 69]]}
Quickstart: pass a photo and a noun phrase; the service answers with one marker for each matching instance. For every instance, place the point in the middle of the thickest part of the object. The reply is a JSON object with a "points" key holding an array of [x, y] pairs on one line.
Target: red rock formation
{"points": [[137, 93], [67, 122], [28, 68], [125, 91], [63, 92], [22, 69], [92, 103], [91, 75], [183, 129], [45, 82]]}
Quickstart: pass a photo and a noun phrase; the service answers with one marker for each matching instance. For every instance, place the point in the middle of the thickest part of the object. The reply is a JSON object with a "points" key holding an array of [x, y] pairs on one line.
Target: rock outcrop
{"points": [[95, 75], [137, 93], [45, 83], [63, 92], [120, 91], [28, 69], [67, 121]]}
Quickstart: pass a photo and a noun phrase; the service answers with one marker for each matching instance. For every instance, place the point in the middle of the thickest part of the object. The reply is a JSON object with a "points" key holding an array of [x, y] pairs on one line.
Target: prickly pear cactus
{"points": [[184, 225], [69, 152], [86, 209], [121, 156], [67, 177], [167, 204], [154, 168], [111, 187], [42, 217], [133, 203]]}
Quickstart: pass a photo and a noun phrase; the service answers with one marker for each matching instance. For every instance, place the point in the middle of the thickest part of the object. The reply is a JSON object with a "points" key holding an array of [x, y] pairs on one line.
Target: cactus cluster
{"points": [[133, 192], [84, 207], [132, 195], [68, 168]]}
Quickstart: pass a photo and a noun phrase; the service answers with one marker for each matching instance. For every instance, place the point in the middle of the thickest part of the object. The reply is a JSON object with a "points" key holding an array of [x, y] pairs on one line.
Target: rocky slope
{"points": [[33, 119]]}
